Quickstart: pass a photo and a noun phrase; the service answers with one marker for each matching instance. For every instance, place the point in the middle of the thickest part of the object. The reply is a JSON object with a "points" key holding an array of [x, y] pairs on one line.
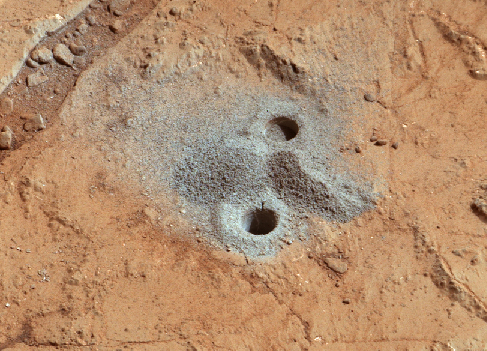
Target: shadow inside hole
{"points": [[260, 221], [281, 129]]}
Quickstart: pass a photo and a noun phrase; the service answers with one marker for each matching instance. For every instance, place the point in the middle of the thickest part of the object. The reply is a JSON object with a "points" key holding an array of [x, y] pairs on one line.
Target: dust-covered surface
{"points": [[262, 175]]}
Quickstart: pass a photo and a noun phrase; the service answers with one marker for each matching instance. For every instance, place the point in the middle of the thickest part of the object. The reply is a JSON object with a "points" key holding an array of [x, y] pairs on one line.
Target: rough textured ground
{"points": [[106, 245]]}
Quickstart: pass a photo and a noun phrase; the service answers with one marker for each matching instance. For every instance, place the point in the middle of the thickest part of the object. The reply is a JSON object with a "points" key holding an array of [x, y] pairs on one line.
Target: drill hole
{"points": [[260, 221], [281, 129]]}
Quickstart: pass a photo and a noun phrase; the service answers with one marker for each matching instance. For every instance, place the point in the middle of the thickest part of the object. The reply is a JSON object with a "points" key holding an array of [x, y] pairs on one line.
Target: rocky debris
{"points": [[6, 136], [346, 301], [174, 11], [152, 214], [381, 142], [369, 97], [78, 50], [336, 265], [480, 205], [36, 78], [373, 138], [116, 26], [119, 7], [395, 145], [63, 55], [91, 20], [35, 124], [6, 105], [31, 63], [42, 55], [82, 28]]}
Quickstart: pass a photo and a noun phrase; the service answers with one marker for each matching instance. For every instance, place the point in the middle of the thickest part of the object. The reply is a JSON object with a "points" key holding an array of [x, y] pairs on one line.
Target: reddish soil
{"points": [[91, 263]]}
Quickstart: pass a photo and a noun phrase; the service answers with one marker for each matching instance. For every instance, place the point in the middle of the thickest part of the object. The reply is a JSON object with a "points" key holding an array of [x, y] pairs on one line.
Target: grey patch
{"points": [[258, 175], [234, 225]]}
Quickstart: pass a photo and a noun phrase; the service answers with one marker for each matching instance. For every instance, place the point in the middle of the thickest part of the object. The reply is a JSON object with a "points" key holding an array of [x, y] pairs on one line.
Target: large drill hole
{"points": [[260, 221], [281, 129]]}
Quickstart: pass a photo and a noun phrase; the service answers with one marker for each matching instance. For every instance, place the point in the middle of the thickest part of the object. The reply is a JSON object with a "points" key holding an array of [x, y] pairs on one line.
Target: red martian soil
{"points": [[89, 262]]}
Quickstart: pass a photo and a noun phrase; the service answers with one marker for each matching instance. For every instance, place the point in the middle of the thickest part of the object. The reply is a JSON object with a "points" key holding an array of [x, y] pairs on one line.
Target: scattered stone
{"points": [[373, 138], [459, 253], [78, 50], [91, 20], [35, 124], [336, 265], [42, 55], [475, 260], [346, 301], [175, 11], [358, 149], [6, 105], [381, 142], [480, 205], [116, 26], [36, 78], [63, 55], [82, 28], [152, 214], [119, 7], [31, 63], [480, 74], [6, 138], [369, 97], [395, 145]]}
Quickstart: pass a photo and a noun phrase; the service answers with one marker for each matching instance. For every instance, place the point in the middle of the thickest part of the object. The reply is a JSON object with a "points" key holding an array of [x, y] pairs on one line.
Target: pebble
{"points": [[373, 138], [358, 149], [78, 50], [369, 97], [336, 265], [116, 26], [395, 145], [91, 20], [35, 124], [36, 78], [63, 55], [175, 11], [82, 28], [346, 301], [6, 105], [381, 142], [42, 55], [6, 138], [31, 63], [481, 206], [119, 7]]}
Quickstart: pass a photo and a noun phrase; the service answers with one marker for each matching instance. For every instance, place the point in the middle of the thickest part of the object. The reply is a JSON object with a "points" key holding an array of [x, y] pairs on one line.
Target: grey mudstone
{"points": [[63, 55]]}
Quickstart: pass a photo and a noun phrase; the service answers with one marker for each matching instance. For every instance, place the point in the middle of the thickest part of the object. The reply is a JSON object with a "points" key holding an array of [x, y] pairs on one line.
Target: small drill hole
{"points": [[260, 221], [281, 129]]}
